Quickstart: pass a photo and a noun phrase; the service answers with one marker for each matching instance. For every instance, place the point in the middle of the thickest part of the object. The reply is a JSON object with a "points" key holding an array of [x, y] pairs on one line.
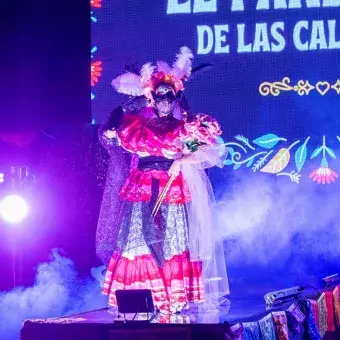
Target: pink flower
{"points": [[190, 127], [161, 77], [323, 175], [202, 128], [203, 131], [158, 77], [210, 123], [178, 85]]}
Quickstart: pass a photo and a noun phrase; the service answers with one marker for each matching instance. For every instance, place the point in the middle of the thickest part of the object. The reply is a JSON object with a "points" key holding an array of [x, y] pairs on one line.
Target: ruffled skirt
{"points": [[160, 261]]}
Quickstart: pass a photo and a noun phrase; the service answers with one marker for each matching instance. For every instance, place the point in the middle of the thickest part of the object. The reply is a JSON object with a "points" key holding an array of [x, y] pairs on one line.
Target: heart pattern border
{"points": [[302, 87]]}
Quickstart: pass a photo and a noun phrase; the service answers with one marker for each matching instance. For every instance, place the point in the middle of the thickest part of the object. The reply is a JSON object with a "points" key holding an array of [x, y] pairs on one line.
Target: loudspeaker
{"points": [[135, 301]]}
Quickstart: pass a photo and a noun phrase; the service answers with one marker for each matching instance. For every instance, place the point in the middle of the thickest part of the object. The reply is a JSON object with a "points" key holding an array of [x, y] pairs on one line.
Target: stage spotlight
{"points": [[2, 177], [13, 208]]}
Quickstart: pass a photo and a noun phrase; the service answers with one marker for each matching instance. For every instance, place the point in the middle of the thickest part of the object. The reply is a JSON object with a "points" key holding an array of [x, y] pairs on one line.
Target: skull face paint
{"points": [[164, 98]]}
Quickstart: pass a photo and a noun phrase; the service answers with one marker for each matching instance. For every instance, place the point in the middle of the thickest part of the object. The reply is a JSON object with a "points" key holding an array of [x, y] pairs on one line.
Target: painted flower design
{"points": [[96, 3], [323, 174], [96, 71]]}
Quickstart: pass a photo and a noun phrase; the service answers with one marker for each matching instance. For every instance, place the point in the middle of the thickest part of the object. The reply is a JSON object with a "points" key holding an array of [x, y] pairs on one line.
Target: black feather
{"points": [[200, 69], [184, 104], [135, 104]]}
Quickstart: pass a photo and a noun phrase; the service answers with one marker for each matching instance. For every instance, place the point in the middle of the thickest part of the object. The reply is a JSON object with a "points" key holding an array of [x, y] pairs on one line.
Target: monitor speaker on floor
{"points": [[135, 305]]}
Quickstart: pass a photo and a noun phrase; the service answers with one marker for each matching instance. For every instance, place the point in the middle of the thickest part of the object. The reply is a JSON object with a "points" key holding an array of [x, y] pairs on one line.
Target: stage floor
{"points": [[233, 309], [100, 324], [241, 312]]}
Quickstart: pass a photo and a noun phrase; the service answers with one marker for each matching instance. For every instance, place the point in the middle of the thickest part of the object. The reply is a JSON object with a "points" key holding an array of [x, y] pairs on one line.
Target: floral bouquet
{"points": [[202, 130]]}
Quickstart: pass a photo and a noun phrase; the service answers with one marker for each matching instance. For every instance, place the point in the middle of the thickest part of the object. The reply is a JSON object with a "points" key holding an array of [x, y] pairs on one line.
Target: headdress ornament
{"points": [[150, 77]]}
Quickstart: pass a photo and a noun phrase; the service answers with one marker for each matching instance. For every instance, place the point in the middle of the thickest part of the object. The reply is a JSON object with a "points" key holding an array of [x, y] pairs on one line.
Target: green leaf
{"points": [[330, 152], [250, 162], [300, 157], [316, 152], [267, 141]]}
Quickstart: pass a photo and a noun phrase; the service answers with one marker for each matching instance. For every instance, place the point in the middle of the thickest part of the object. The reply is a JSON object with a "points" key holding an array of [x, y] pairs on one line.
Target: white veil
{"points": [[205, 242]]}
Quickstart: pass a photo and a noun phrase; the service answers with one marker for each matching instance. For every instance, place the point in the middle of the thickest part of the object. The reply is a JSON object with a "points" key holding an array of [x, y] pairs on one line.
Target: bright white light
{"points": [[13, 209], [2, 177]]}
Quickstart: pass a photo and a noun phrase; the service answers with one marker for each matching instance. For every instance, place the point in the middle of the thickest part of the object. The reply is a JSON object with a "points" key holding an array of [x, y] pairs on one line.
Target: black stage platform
{"points": [[242, 318]]}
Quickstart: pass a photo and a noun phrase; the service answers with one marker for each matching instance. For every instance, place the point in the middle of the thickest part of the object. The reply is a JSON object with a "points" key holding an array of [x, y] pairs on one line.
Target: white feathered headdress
{"points": [[151, 76]]}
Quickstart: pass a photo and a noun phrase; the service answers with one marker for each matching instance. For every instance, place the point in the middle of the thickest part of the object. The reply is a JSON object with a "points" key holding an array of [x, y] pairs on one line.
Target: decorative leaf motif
{"points": [[300, 157], [330, 152], [316, 152], [278, 162], [250, 162], [261, 161], [244, 140], [293, 176], [237, 166], [268, 141]]}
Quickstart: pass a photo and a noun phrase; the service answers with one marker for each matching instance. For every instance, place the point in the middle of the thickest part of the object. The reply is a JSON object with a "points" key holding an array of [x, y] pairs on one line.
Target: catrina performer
{"points": [[155, 228]]}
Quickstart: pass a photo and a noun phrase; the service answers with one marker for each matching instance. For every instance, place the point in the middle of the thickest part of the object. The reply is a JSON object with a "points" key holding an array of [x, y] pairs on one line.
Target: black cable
{"points": [[314, 288]]}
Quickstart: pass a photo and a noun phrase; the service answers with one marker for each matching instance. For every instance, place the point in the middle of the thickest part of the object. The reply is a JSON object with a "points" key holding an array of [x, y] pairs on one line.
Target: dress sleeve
{"points": [[134, 136], [114, 121], [129, 128], [108, 143]]}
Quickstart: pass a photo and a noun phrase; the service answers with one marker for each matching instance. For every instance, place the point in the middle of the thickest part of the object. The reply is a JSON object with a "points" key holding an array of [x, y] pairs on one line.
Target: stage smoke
{"points": [[271, 223], [57, 291]]}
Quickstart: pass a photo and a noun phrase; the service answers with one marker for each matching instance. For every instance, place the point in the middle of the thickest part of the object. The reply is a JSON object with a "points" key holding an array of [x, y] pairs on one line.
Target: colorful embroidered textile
{"points": [[251, 331], [330, 311], [336, 297], [295, 318], [322, 306], [237, 332], [315, 310], [267, 328], [310, 325], [281, 325]]}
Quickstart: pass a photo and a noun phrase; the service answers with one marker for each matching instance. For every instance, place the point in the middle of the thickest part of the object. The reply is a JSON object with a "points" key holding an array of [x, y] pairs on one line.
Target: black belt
{"points": [[154, 163]]}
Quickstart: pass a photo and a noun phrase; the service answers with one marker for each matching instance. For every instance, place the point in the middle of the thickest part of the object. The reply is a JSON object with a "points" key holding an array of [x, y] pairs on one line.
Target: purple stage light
{"points": [[13, 208]]}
